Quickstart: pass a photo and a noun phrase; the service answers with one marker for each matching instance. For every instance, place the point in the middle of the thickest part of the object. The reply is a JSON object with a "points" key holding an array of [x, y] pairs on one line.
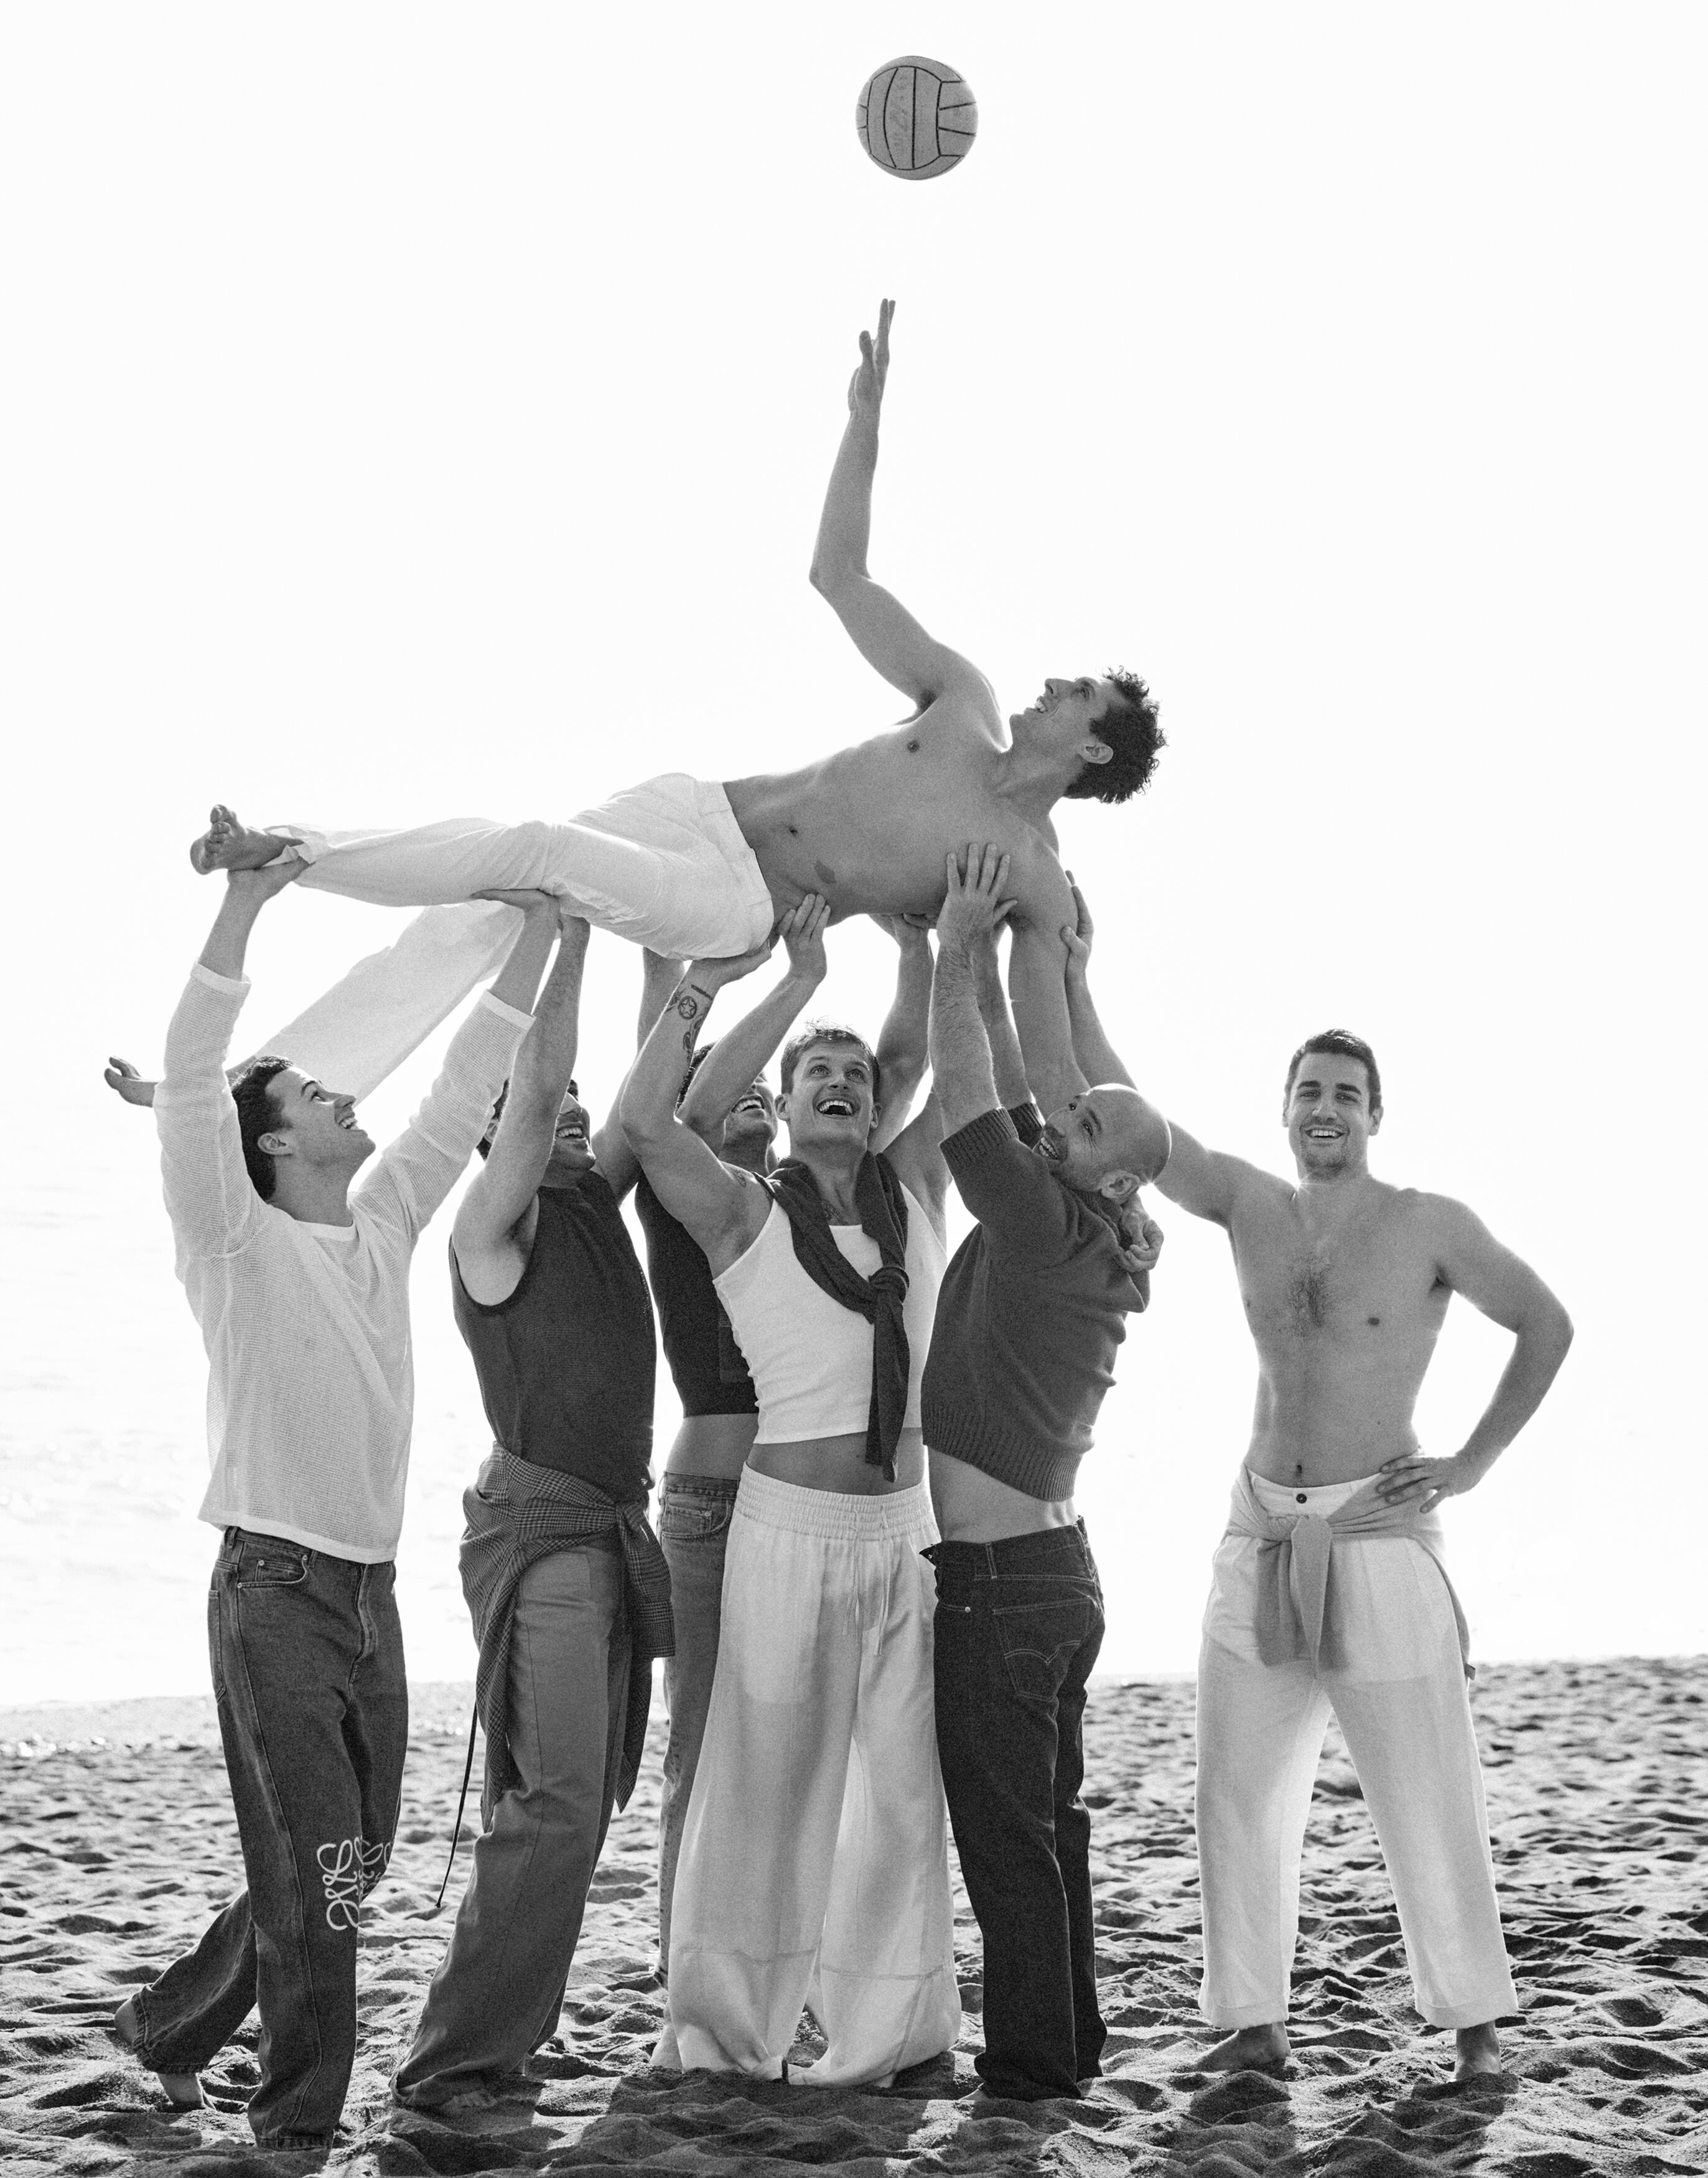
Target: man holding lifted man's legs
{"points": [[299, 1280]]}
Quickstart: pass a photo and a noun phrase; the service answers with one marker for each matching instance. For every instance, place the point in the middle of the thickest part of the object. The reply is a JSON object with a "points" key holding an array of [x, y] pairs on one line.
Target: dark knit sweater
{"points": [[1029, 1315]]}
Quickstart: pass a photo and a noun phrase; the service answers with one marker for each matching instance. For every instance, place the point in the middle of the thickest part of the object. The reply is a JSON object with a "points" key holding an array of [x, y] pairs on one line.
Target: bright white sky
{"points": [[414, 410]]}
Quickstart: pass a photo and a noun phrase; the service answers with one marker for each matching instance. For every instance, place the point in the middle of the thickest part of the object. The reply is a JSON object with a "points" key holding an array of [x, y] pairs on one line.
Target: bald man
{"points": [[1031, 1313]]}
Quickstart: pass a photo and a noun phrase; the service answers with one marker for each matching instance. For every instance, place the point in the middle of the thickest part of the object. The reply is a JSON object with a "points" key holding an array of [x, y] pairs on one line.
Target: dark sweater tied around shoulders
{"points": [[881, 1205]]}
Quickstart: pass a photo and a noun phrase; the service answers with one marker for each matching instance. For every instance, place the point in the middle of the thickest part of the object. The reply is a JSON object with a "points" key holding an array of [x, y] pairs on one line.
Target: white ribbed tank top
{"points": [[811, 1357]]}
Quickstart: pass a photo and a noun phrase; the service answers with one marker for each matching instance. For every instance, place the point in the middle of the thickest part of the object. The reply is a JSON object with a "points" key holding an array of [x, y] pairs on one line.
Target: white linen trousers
{"points": [[1398, 1689], [664, 864], [814, 1861]]}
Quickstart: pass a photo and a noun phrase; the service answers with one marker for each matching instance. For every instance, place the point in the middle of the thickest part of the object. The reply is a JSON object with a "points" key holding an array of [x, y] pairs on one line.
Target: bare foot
{"points": [[226, 845], [1476, 2054], [1248, 2049], [182, 2090], [120, 1074]]}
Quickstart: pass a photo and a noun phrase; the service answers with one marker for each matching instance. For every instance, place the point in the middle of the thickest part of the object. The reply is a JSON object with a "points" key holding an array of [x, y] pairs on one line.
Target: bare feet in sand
{"points": [[1476, 2054], [226, 845], [1249, 2050], [182, 2090]]}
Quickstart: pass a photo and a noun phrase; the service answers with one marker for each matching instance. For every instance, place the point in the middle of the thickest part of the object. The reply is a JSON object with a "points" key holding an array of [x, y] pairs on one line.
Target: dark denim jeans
{"points": [[693, 1529], [1018, 1627], [314, 1711]]}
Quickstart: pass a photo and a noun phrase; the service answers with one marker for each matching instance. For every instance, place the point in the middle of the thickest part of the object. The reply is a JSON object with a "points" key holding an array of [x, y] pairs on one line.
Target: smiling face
{"points": [[572, 1142], [752, 1121], [1107, 1142], [314, 1126], [1064, 720], [1327, 1114], [828, 1104]]}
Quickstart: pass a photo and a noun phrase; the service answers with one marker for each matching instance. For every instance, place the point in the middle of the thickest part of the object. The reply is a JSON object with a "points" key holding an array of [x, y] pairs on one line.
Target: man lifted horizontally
{"points": [[697, 870], [1330, 1591]]}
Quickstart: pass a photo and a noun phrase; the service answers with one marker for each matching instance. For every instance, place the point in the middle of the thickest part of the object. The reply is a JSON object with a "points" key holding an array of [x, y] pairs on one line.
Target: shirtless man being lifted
{"points": [[697, 870], [1346, 1282]]}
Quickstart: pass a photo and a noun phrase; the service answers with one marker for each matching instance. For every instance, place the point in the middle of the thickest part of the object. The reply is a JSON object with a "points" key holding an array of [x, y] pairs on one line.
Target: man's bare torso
{"points": [[1345, 1310], [870, 827]]}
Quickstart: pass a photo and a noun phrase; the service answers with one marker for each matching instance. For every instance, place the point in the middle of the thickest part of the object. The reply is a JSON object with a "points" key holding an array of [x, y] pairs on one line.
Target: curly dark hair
{"points": [[1339, 1044], [1129, 727], [258, 1115], [833, 1033]]}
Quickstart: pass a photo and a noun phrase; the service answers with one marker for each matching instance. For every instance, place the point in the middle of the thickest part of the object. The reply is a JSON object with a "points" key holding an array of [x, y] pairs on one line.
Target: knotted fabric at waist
{"points": [[1294, 1552], [518, 1512]]}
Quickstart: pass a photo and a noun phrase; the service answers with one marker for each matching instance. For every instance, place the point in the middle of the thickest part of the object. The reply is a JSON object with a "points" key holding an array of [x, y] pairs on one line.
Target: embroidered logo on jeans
{"points": [[349, 1870]]}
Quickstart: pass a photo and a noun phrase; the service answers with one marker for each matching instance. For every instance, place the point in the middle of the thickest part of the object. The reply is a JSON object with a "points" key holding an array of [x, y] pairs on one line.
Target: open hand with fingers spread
{"points": [[976, 904], [866, 388]]}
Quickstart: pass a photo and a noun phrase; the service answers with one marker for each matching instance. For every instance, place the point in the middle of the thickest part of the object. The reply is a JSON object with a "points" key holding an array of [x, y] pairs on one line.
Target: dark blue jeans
{"points": [[314, 1711], [1018, 1627]]}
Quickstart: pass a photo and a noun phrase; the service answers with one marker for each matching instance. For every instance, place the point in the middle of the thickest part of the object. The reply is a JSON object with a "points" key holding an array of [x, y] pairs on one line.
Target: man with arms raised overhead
{"points": [[1031, 1313], [729, 1106], [1033, 1310], [565, 1583], [815, 1860], [300, 1282], [695, 869], [1330, 1591]]}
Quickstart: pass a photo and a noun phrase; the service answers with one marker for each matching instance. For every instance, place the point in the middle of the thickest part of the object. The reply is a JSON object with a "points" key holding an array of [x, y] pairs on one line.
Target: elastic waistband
{"points": [[719, 1488], [1039, 1547], [1327, 1498], [837, 1515]]}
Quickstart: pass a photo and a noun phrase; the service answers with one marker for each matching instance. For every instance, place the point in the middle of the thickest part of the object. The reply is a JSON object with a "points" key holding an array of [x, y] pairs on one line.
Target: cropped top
{"points": [[811, 1357]]}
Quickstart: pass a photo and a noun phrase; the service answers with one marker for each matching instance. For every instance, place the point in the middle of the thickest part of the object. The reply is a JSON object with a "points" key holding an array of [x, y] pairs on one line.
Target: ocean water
{"points": [[104, 1565]]}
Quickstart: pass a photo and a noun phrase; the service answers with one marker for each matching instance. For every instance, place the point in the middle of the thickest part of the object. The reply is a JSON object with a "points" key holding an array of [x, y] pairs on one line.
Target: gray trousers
{"points": [[498, 1992]]}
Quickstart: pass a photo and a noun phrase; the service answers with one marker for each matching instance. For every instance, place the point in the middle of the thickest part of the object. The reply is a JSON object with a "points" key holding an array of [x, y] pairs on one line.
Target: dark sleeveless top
{"points": [[566, 1363], [705, 1362]]}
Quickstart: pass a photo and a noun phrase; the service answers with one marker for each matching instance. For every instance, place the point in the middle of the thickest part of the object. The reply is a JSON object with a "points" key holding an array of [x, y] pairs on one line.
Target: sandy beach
{"points": [[118, 1840]]}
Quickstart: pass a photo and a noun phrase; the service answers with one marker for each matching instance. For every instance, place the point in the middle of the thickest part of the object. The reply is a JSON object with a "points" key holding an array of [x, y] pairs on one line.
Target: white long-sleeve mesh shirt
{"points": [[311, 1381]]}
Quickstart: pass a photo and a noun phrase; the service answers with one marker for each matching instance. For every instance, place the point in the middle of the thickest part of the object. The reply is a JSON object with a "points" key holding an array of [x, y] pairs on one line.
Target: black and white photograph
{"points": [[852, 1268]]}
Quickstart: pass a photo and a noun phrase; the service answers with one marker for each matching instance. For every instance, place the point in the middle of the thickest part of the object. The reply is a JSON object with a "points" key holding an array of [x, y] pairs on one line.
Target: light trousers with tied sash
{"points": [[1328, 1602]]}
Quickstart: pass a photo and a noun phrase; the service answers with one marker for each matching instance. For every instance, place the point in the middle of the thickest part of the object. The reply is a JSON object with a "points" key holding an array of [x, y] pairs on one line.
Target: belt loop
{"points": [[990, 1561]]}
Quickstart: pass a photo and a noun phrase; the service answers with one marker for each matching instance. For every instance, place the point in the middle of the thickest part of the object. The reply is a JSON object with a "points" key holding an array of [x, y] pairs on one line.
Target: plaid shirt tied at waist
{"points": [[1295, 1621], [517, 1514]]}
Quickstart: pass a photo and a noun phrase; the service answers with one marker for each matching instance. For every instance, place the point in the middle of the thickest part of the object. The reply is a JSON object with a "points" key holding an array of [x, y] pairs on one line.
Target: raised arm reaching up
{"points": [[1096, 1058], [901, 1053], [964, 1076], [885, 632], [494, 1233], [741, 1055], [720, 1207]]}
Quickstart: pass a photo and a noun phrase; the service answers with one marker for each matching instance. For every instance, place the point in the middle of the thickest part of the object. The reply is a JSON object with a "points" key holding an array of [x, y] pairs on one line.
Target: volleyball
{"points": [[916, 118]]}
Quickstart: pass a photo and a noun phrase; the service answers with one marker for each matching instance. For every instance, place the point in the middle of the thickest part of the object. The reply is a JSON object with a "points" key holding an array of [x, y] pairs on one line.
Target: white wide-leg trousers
{"points": [[664, 864], [815, 1857], [1398, 1689]]}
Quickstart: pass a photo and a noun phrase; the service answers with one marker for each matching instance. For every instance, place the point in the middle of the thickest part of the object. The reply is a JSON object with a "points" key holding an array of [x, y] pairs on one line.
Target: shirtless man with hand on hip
{"points": [[695, 869], [1330, 1590]]}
